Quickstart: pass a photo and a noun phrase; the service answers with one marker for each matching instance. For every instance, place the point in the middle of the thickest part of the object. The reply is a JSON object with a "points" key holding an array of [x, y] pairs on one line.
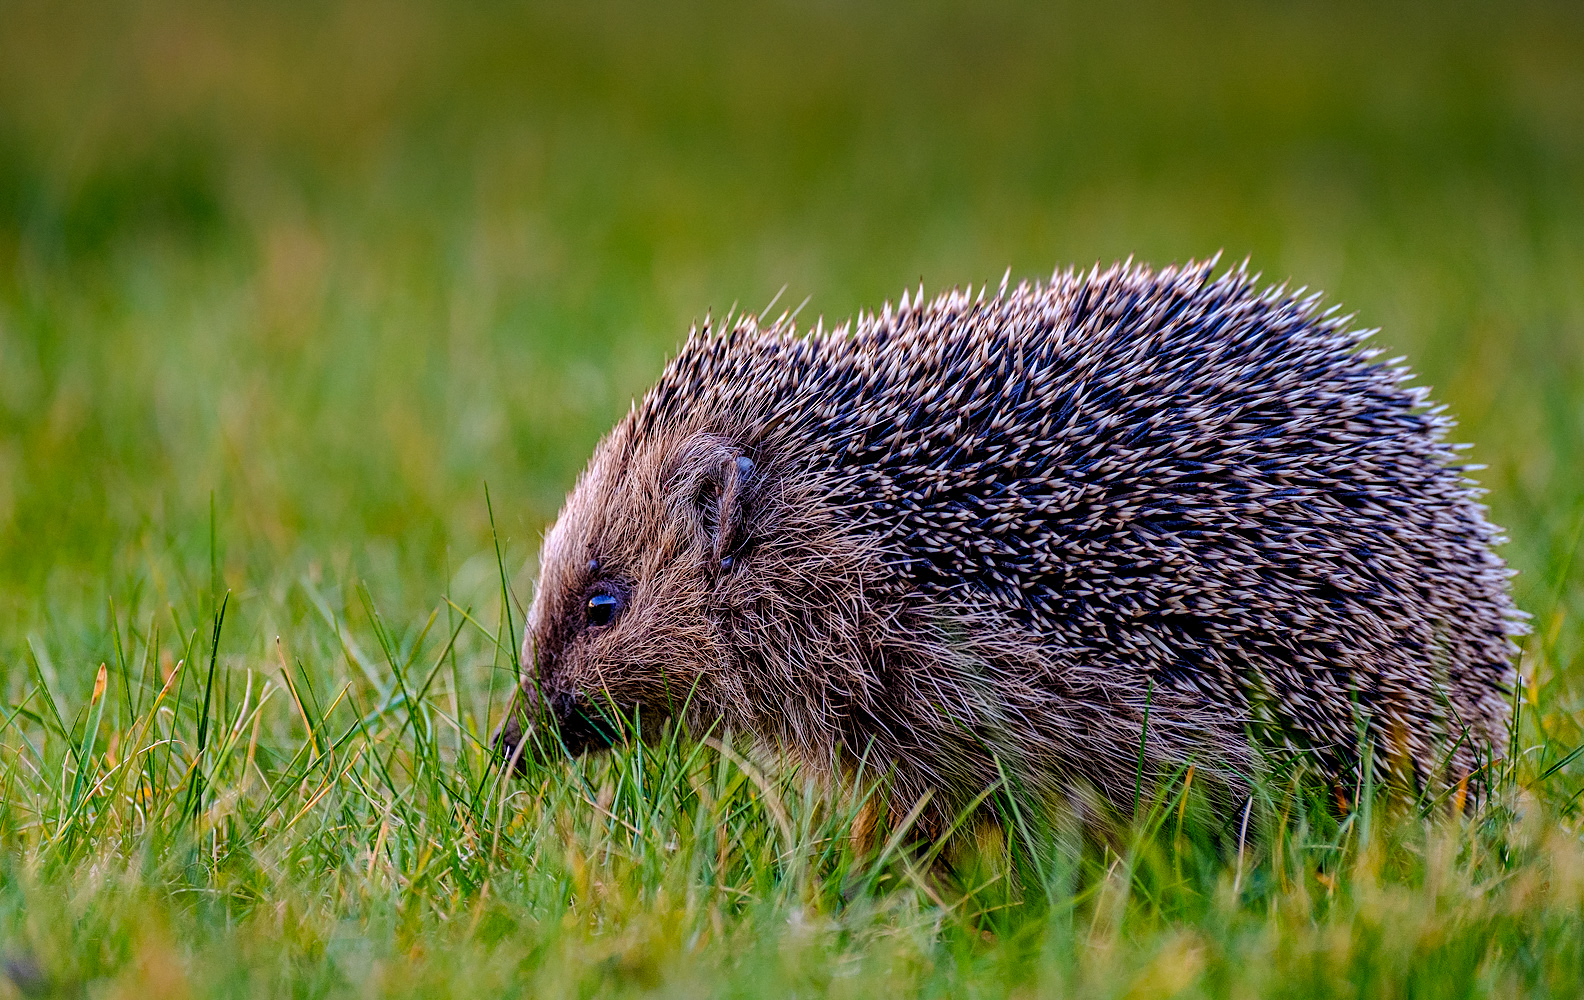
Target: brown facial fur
{"points": [[799, 642], [772, 585]]}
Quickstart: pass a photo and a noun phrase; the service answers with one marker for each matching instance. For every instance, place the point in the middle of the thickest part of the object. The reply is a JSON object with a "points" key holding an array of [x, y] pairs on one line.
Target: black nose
{"points": [[507, 740]]}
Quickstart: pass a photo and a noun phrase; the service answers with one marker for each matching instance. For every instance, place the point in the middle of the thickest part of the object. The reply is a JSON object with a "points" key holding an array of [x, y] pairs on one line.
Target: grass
{"points": [[282, 287]]}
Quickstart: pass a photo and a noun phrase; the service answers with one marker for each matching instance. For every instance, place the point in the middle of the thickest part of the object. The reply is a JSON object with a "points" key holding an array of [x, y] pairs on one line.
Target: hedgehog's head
{"points": [[625, 625]]}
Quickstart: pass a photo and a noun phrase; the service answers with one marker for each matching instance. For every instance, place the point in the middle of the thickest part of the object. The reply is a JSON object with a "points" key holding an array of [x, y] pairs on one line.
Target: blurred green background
{"points": [[336, 266], [284, 285]]}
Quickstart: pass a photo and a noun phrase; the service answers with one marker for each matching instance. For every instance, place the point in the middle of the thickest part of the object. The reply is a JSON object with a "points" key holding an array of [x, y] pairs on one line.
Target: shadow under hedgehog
{"points": [[981, 539]]}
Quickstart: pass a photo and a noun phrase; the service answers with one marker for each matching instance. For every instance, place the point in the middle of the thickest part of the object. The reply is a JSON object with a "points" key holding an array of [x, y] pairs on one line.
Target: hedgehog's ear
{"points": [[722, 504]]}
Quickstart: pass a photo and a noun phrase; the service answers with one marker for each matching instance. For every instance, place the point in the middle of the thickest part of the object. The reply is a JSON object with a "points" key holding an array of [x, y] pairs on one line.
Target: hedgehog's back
{"points": [[1152, 472]]}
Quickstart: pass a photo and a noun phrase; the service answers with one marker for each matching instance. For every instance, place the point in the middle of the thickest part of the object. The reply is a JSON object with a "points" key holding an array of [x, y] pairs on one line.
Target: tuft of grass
{"points": [[345, 831]]}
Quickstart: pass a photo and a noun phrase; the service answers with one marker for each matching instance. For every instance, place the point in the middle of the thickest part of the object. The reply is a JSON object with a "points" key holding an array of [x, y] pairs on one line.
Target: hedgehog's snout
{"points": [[569, 726], [581, 727], [506, 739], [519, 725]]}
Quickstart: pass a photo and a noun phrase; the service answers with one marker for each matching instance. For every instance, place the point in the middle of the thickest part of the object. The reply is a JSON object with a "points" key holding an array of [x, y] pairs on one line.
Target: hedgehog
{"points": [[1062, 538]]}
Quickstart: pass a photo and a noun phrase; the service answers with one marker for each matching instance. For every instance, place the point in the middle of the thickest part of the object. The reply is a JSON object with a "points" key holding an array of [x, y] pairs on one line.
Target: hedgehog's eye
{"points": [[602, 609]]}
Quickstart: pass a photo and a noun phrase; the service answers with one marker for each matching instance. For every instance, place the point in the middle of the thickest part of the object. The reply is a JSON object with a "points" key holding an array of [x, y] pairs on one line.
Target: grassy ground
{"points": [[282, 287]]}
